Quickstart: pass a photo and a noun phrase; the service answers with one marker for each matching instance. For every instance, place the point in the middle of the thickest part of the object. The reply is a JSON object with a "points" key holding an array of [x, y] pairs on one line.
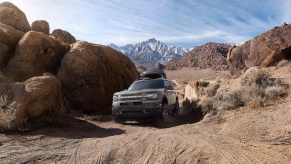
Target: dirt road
{"points": [[237, 137], [240, 136]]}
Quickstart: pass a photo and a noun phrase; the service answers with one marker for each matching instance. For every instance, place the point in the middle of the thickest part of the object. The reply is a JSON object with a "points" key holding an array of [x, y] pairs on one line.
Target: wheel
{"points": [[164, 118], [119, 120], [165, 112]]}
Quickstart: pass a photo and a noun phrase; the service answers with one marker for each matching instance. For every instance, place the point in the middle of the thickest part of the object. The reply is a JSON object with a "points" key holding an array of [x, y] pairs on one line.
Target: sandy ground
{"points": [[240, 136]]}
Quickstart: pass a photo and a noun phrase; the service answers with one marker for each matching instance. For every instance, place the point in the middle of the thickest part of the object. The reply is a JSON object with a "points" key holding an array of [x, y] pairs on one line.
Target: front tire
{"points": [[165, 112]]}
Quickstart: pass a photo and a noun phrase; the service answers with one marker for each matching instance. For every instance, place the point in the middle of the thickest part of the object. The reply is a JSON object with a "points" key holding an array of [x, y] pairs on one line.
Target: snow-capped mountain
{"points": [[149, 52]]}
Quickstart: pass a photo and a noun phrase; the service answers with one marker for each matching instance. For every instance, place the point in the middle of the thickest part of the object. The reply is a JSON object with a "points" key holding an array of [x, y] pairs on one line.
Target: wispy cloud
{"points": [[186, 22]]}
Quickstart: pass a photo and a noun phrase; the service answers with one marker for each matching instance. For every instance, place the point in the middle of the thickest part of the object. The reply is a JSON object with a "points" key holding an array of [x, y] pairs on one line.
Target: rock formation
{"points": [[64, 36], [90, 74], [210, 55], [13, 16], [38, 96], [264, 50], [41, 26], [9, 37], [35, 54]]}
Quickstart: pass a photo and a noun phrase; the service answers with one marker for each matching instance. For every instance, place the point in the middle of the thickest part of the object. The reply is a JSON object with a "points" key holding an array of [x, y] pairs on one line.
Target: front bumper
{"points": [[136, 109]]}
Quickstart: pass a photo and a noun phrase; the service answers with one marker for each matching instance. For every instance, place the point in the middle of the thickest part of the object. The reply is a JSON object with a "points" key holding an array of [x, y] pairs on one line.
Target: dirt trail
{"points": [[240, 136], [246, 137]]}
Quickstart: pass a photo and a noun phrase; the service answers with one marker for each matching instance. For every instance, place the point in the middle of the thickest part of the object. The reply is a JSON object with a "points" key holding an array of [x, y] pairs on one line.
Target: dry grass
{"points": [[212, 89], [254, 88], [275, 92], [207, 104]]}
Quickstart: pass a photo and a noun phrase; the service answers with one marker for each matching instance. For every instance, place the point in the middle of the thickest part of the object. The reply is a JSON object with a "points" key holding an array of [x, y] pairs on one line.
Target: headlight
{"points": [[115, 98], [152, 96]]}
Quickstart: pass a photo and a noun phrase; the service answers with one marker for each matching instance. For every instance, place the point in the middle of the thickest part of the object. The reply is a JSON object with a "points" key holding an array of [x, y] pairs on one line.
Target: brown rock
{"points": [[44, 95], [264, 50], [35, 54], [9, 37], [90, 74], [210, 55], [4, 79], [13, 16], [38, 96], [41, 26], [63, 36]]}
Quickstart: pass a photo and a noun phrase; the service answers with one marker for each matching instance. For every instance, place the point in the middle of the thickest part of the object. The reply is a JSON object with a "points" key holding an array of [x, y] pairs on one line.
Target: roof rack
{"points": [[153, 74]]}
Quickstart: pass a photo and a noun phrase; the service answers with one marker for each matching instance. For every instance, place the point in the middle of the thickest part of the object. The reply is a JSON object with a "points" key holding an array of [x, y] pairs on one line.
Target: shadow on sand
{"points": [[180, 118], [72, 128]]}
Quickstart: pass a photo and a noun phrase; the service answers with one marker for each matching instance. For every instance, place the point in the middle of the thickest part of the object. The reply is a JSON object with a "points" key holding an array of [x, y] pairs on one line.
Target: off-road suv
{"points": [[145, 98]]}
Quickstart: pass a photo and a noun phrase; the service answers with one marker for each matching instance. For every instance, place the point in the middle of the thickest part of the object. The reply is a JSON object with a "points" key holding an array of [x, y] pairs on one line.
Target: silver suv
{"points": [[152, 98]]}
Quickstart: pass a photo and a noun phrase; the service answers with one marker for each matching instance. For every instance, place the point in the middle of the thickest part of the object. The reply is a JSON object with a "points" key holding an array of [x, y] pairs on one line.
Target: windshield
{"points": [[146, 84]]}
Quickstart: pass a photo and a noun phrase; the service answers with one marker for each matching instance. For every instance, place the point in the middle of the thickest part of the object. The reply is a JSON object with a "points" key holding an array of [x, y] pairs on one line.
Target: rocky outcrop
{"points": [[9, 38], [63, 36], [35, 54], [90, 74], [41, 26], [210, 55], [13, 16], [36, 97], [264, 50]]}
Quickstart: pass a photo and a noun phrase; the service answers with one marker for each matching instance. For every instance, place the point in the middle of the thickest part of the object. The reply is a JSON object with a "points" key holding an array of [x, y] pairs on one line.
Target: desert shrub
{"points": [[207, 104], [275, 92], [232, 100], [255, 76], [211, 90], [256, 87]]}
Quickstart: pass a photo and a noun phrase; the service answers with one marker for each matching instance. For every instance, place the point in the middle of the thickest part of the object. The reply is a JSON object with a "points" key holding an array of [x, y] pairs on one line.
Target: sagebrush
{"points": [[253, 88]]}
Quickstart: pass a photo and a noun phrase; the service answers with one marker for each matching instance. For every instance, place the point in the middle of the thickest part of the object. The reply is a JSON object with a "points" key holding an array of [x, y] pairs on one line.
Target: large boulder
{"points": [[90, 74], [13, 16], [9, 37], [44, 96], [264, 50], [36, 97], [35, 54], [64, 36], [41, 26]]}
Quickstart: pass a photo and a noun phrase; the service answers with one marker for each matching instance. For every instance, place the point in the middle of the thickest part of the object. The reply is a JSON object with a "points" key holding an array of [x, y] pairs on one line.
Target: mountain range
{"points": [[152, 51]]}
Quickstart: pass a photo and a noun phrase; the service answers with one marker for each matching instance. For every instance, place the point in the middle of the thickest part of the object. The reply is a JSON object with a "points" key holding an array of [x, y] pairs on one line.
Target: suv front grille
{"points": [[131, 97]]}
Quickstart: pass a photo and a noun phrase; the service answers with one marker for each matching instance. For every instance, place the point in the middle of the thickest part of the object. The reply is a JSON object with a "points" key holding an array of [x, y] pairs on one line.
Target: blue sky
{"points": [[175, 22]]}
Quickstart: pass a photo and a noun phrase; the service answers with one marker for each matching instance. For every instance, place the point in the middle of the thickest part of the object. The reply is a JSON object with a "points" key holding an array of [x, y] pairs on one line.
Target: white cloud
{"points": [[131, 21]]}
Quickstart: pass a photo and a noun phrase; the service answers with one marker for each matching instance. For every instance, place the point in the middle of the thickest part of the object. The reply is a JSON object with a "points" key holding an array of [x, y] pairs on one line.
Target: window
{"points": [[146, 84]]}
